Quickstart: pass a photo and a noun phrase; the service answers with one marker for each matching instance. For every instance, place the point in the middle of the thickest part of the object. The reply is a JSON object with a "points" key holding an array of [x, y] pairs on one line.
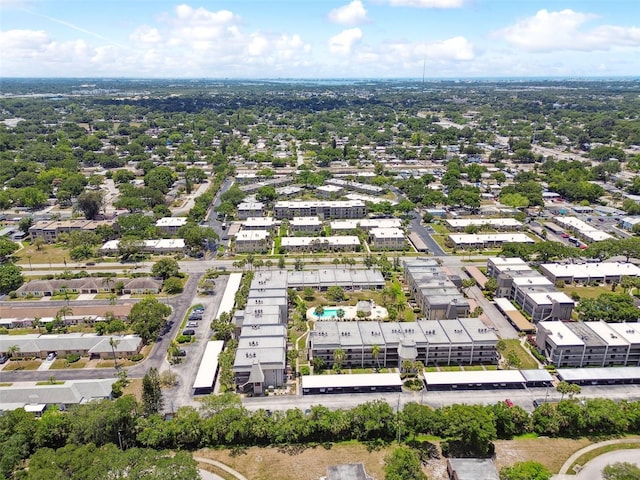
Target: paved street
{"points": [[416, 226], [182, 393], [521, 397]]}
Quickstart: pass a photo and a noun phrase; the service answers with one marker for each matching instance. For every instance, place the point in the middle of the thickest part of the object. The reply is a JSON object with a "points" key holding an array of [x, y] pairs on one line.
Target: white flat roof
{"points": [[607, 334], [496, 222], [504, 304], [491, 237], [560, 334], [208, 365], [613, 373], [503, 261], [355, 380], [229, 297], [547, 298], [592, 270], [251, 235], [171, 222], [629, 331], [473, 377], [333, 240], [387, 232]]}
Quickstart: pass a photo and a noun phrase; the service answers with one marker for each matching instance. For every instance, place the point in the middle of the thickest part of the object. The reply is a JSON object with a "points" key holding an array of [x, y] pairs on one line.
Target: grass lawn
{"points": [[47, 254], [22, 365], [450, 368], [439, 228], [527, 361], [473, 368], [60, 363], [589, 292], [49, 382]]}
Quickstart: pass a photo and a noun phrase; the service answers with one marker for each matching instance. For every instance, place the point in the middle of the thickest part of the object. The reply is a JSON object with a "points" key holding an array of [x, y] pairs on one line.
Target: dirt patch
{"points": [[551, 452], [301, 463], [134, 388]]}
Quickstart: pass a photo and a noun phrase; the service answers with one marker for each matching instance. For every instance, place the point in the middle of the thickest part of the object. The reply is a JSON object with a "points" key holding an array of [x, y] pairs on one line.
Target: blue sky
{"points": [[319, 38]]}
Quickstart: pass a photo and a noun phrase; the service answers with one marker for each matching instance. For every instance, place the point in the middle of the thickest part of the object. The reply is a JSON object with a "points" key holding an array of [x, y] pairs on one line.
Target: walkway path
{"points": [[565, 468], [221, 466]]}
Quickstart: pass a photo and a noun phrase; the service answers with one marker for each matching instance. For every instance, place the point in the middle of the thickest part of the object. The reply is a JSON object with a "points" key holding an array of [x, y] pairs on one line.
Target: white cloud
{"points": [[554, 31], [343, 42], [13, 40], [352, 14], [456, 48], [146, 35], [427, 3]]}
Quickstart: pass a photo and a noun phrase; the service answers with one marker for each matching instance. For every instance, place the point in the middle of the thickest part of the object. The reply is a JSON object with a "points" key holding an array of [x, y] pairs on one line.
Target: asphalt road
{"points": [[186, 371], [522, 397], [416, 226], [593, 469]]}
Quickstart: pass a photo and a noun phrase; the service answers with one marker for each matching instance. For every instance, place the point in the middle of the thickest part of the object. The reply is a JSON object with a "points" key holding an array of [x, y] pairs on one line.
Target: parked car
{"points": [[3, 359], [182, 353], [51, 356], [192, 325], [509, 403], [189, 332]]}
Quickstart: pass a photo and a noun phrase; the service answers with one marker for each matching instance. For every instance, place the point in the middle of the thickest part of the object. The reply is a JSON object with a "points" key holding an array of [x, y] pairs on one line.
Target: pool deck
{"points": [[350, 313]]}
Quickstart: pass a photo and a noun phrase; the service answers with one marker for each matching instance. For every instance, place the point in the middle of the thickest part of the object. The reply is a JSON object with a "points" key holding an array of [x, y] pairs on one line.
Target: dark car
{"points": [[182, 353], [189, 332], [3, 359]]}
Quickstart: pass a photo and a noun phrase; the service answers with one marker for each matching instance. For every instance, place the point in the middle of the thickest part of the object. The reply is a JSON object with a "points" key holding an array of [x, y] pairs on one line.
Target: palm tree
{"points": [[319, 311], [64, 311], [114, 343], [12, 351], [37, 323], [338, 358], [375, 353], [340, 314]]}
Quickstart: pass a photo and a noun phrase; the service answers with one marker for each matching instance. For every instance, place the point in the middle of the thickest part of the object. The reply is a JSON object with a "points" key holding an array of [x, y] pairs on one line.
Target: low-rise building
{"points": [[250, 209], [49, 230], [252, 241], [368, 344], [488, 240], [324, 209], [171, 225], [386, 239], [328, 191], [260, 223], [607, 272], [459, 224], [343, 243], [162, 245], [83, 344], [589, 344], [305, 225]]}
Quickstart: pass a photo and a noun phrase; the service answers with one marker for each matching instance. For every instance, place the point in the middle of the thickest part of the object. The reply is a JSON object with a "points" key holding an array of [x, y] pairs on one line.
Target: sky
{"points": [[248, 39]]}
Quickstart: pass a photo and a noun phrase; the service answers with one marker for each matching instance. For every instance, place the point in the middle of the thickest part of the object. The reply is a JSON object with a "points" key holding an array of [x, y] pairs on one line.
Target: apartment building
{"points": [[49, 230], [250, 209], [252, 241], [171, 225], [387, 239], [369, 344], [323, 209]]}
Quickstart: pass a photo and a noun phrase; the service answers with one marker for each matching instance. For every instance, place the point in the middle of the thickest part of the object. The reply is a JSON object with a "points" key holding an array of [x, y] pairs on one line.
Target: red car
{"points": [[509, 403]]}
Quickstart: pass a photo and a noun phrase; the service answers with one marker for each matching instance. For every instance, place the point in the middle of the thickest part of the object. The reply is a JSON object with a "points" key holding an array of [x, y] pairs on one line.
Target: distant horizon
{"points": [[320, 39]]}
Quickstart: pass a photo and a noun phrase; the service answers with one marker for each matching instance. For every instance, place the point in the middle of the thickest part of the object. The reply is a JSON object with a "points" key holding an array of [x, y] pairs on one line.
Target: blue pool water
{"points": [[328, 313]]}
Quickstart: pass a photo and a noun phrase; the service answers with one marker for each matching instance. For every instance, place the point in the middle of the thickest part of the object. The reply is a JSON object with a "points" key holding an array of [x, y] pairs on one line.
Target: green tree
{"points": [[10, 277], [152, 400], [12, 352], [525, 471], [147, 318], [90, 202], [336, 293], [403, 464], [621, 471], [338, 358], [165, 268], [568, 388], [173, 285], [7, 248]]}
